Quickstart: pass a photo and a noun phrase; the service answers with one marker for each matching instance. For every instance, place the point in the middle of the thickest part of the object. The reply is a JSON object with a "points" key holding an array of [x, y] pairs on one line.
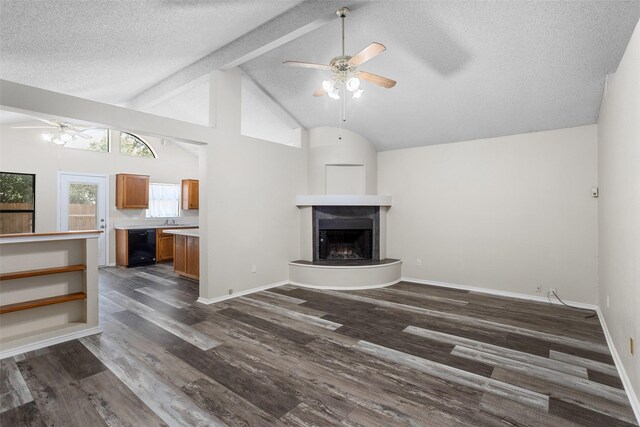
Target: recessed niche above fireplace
{"points": [[346, 235]]}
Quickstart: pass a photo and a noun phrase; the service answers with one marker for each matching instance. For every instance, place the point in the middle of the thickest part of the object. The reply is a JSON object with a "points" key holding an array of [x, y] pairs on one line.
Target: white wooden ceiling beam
{"points": [[46, 104], [299, 20]]}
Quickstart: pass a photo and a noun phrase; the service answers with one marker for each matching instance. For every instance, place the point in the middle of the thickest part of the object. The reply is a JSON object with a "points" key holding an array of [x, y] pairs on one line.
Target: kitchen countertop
{"points": [[193, 232], [145, 227]]}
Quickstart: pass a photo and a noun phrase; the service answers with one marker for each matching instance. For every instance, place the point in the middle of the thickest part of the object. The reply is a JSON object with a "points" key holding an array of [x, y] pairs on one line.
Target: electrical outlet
{"points": [[418, 261], [631, 348], [253, 268], [230, 291]]}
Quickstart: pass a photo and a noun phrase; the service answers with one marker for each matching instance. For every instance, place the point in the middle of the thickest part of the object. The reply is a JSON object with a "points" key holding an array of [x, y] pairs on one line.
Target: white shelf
{"points": [[342, 200]]}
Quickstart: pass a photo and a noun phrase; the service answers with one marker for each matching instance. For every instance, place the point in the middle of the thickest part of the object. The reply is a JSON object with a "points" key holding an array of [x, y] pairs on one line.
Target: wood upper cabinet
{"points": [[190, 194], [132, 191]]}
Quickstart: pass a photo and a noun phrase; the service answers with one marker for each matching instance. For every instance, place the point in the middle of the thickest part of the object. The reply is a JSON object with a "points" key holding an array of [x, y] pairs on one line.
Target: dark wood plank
{"points": [[288, 333], [583, 416], [273, 401], [26, 415], [601, 378], [77, 360]]}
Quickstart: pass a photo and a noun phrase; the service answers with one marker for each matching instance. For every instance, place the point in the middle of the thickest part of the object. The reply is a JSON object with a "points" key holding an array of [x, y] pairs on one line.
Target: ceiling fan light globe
{"points": [[334, 94], [327, 85], [357, 93], [58, 141], [65, 137], [47, 136], [353, 84]]}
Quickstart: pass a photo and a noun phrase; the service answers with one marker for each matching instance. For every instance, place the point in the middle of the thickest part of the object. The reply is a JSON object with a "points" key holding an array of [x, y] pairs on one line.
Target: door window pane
{"points": [[83, 214], [17, 202]]}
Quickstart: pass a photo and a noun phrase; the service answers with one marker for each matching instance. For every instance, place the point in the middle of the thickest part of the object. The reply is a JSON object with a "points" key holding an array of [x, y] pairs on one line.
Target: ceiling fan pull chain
{"points": [[342, 19]]}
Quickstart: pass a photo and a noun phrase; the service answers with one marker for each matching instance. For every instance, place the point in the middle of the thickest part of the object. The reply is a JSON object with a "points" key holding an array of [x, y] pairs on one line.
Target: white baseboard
{"points": [[50, 341], [633, 398], [241, 293], [593, 307], [344, 288]]}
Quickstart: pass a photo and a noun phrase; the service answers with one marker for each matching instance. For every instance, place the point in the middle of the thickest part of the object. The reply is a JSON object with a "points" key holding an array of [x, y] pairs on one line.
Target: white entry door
{"points": [[82, 202]]}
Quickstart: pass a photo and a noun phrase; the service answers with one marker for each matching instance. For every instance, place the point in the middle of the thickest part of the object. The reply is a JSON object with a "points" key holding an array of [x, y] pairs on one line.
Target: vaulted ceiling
{"points": [[465, 69]]}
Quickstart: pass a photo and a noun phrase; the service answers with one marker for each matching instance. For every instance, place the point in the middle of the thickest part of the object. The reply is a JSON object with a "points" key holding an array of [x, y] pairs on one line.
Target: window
{"points": [[164, 201], [90, 139], [131, 145], [17, 202]]}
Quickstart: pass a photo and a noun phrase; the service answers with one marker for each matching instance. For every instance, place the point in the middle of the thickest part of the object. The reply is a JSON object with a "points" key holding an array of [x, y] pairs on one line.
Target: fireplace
{"points": [[345, 239], [346, 234]]}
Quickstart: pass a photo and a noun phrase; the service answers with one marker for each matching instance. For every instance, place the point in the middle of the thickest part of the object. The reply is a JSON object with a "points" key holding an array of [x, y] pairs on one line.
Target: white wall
{"points": [[507, 213], [326, 149], [24, 150], [249, 216], [619, 208]]}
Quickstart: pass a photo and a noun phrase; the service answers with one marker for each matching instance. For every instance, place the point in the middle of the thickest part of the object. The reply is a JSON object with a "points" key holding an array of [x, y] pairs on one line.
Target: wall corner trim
{"points": [[241, 293], [633, 397]]}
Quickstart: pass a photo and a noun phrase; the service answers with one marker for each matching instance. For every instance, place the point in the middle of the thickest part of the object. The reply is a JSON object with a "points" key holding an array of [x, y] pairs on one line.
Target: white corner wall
{"points": [[619, 209], [247, 205], [508, 213], [326, 149]]}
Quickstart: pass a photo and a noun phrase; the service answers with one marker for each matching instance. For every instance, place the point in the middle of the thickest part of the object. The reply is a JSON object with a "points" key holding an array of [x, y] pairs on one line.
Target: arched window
{"points": [[132, 145]]}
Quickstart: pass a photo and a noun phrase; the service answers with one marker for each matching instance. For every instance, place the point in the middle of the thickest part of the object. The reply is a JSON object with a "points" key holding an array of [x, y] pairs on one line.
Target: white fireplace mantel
{"points": [[342, 200]]}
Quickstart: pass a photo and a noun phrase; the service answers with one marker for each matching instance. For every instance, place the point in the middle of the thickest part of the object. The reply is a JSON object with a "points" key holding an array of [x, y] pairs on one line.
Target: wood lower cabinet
{"points": [[186, 256], [190, 194], [132, 191], [164, 246]]}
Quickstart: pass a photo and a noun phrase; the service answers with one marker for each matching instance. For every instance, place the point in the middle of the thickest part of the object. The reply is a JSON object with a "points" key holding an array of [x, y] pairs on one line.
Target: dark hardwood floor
{"points": [[405, 355]]}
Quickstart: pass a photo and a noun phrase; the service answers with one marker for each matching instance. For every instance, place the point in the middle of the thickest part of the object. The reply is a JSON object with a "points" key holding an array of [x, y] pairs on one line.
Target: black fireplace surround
{"points": [[346, 235]]}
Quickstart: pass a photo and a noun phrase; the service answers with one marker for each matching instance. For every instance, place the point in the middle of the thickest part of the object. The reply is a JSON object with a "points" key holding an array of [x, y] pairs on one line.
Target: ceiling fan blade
{"points": [[376, 79], [307, 65], [83, 135], [369, 52], [34, 127], [319, 92], [51, 122]]}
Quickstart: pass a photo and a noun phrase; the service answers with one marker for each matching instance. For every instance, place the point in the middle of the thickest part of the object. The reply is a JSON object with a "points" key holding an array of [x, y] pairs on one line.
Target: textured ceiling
{"points": [[465, 69], [111, 50]]}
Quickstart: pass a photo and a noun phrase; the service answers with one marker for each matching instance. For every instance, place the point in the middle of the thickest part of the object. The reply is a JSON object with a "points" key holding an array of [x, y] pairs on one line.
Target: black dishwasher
{"points": [[142, 247]]}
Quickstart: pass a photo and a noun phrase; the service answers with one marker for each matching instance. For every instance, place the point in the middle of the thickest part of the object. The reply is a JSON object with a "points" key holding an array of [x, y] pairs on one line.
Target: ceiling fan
{"points": [[344, 69], [64, 132]]}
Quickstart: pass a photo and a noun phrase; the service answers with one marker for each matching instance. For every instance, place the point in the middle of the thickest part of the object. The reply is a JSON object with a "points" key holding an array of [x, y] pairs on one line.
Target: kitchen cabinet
{"points": [[135, 247], [164, 246], [132, 191], [186, 256], [190, 194]]}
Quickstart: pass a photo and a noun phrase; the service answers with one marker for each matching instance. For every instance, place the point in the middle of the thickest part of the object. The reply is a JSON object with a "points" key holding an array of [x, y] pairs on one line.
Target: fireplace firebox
{"points": [[345, 239], [346, 234]]}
